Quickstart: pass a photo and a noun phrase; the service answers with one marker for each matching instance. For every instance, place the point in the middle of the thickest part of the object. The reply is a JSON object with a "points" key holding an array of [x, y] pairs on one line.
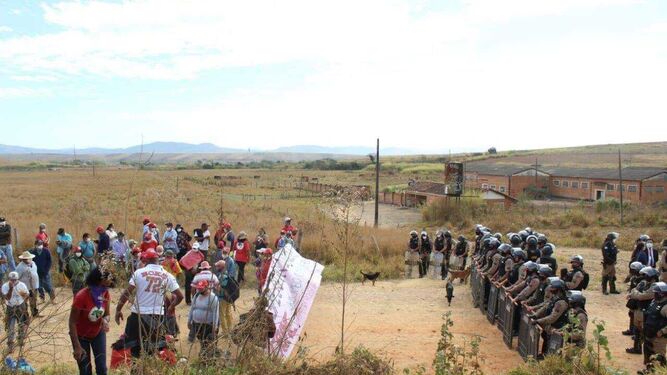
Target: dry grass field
{"points": [[399, 319]]}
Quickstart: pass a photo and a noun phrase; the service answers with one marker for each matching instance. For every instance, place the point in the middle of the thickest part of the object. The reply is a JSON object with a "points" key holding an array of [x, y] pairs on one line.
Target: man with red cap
{"points": [[103, 241], [148, 242], [152, 284]]}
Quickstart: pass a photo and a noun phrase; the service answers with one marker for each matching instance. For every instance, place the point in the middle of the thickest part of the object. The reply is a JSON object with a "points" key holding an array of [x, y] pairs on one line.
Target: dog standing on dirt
{"points": [[369, 276], [450, 291], [462, 275]]}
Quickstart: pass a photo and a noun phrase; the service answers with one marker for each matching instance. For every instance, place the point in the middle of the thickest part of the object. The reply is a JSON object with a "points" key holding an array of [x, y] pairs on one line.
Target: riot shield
{"points": [[473, 285], [508, 322], [482, 293], [554, 344], [529, 338], [492, 303], [500, 307]]}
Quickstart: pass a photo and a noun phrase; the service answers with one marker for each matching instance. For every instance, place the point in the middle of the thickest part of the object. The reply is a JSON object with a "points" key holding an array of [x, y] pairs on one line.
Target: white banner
{"points": [[292, 282]]}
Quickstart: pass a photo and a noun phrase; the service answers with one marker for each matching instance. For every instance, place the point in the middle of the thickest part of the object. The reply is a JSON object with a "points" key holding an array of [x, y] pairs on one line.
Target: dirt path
{"points": [[401, 319], [389, 216]]}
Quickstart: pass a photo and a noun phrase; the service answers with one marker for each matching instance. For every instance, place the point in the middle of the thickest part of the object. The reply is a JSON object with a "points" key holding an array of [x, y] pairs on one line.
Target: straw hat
{"points": [[26, 255], [242, 235]]}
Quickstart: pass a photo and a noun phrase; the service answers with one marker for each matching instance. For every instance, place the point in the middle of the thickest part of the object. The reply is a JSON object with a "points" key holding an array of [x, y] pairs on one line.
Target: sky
{"points": [[418, 74]]}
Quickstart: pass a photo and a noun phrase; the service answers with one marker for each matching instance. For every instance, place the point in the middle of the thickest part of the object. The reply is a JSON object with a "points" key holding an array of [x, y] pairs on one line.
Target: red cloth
{"points": [[44, 237], [264, 272], [242, 251], [288, 228], [152, 244], [191, 259], [83, 301]]}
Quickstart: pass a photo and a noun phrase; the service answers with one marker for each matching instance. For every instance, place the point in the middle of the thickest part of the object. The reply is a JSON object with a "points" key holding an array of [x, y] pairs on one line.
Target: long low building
{"points": [[640, 185]]}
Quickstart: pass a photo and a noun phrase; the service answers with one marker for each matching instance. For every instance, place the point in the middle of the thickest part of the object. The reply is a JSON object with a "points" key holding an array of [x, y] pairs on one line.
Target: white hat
{"points": [[195, 245], [13, 275]]}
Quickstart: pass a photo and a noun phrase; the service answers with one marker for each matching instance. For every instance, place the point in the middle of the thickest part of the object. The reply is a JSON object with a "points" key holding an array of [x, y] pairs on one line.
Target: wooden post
{"points": [[377, 182], [620, 183]]}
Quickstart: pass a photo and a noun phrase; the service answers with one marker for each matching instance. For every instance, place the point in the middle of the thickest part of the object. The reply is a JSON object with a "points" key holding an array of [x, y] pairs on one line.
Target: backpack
{"points": [[231, 291], [584, 283], [67, 271]]}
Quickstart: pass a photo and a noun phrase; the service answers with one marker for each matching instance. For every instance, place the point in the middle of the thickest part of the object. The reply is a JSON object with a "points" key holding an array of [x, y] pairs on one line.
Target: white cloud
{"points": [[21, 92], [5, 29]]}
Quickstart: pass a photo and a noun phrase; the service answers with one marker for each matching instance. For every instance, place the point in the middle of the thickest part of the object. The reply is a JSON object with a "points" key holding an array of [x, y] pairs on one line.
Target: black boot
{"points": [[630, 331], [604, 285], [636, 347], [612, 286]]}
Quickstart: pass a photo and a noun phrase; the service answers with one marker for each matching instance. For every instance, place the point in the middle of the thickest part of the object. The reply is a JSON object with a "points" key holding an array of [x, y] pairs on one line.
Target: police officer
{"points": [[639, 299], [506, 265], [460, 257], [531, 284], [553, 315], [635, 279], [577, 279], [515, 239], [655, 327], [518, 259], [662, 264], [496, 258], [541, 241], [544, 273], [531, 248], [492, 250], [547, 258], [438, 256], [498, 269], [578, 318], [412, 254], [425, 248], [478, 238], [609, 255]]}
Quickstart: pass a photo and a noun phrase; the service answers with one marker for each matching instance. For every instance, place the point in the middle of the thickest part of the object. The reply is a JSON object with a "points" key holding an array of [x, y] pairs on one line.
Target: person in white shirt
{"points": [[204, 240], [152, 285], [169, 238], [27, 271], [206, 274], [113, 236], [15, 294]]}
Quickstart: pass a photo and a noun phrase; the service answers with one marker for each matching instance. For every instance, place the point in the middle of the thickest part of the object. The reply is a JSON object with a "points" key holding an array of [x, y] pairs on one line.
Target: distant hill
{"points": [[156, 147], [209, 148]]}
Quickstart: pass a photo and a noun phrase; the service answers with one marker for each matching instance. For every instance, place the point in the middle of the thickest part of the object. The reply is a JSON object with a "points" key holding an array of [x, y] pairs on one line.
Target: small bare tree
{"points": [[345, 206]]}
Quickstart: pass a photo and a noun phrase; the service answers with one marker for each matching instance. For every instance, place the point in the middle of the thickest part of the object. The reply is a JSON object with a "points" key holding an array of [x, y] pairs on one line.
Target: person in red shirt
{"points": [[89, 321], [288, 225], [265, 266], [241, 254], [148, 242], [42, 235]]}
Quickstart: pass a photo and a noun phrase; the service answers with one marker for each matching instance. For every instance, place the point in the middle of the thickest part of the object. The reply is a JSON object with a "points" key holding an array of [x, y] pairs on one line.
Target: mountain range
{"points": [[209, 148]]}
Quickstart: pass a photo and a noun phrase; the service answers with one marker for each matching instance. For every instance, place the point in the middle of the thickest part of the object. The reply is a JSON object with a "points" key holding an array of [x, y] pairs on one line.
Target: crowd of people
{"points": [[525, 269], [211, 267]]}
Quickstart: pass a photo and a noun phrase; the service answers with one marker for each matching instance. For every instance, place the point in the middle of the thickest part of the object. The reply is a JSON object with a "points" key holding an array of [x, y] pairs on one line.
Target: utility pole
{"points": [[377, 182], [620, 183]]}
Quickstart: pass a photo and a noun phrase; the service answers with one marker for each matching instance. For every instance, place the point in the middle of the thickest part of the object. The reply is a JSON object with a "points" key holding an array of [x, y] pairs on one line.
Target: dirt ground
{"points": [[389, 216], [400, 319]]}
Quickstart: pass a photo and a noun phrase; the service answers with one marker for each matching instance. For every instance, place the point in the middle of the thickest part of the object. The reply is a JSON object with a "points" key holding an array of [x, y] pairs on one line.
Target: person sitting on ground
{"points": [[89, 322], [78, 268], [151, 284], [15, 294], [42, 261], [64, 243], [203, 318], [28, 275]]}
